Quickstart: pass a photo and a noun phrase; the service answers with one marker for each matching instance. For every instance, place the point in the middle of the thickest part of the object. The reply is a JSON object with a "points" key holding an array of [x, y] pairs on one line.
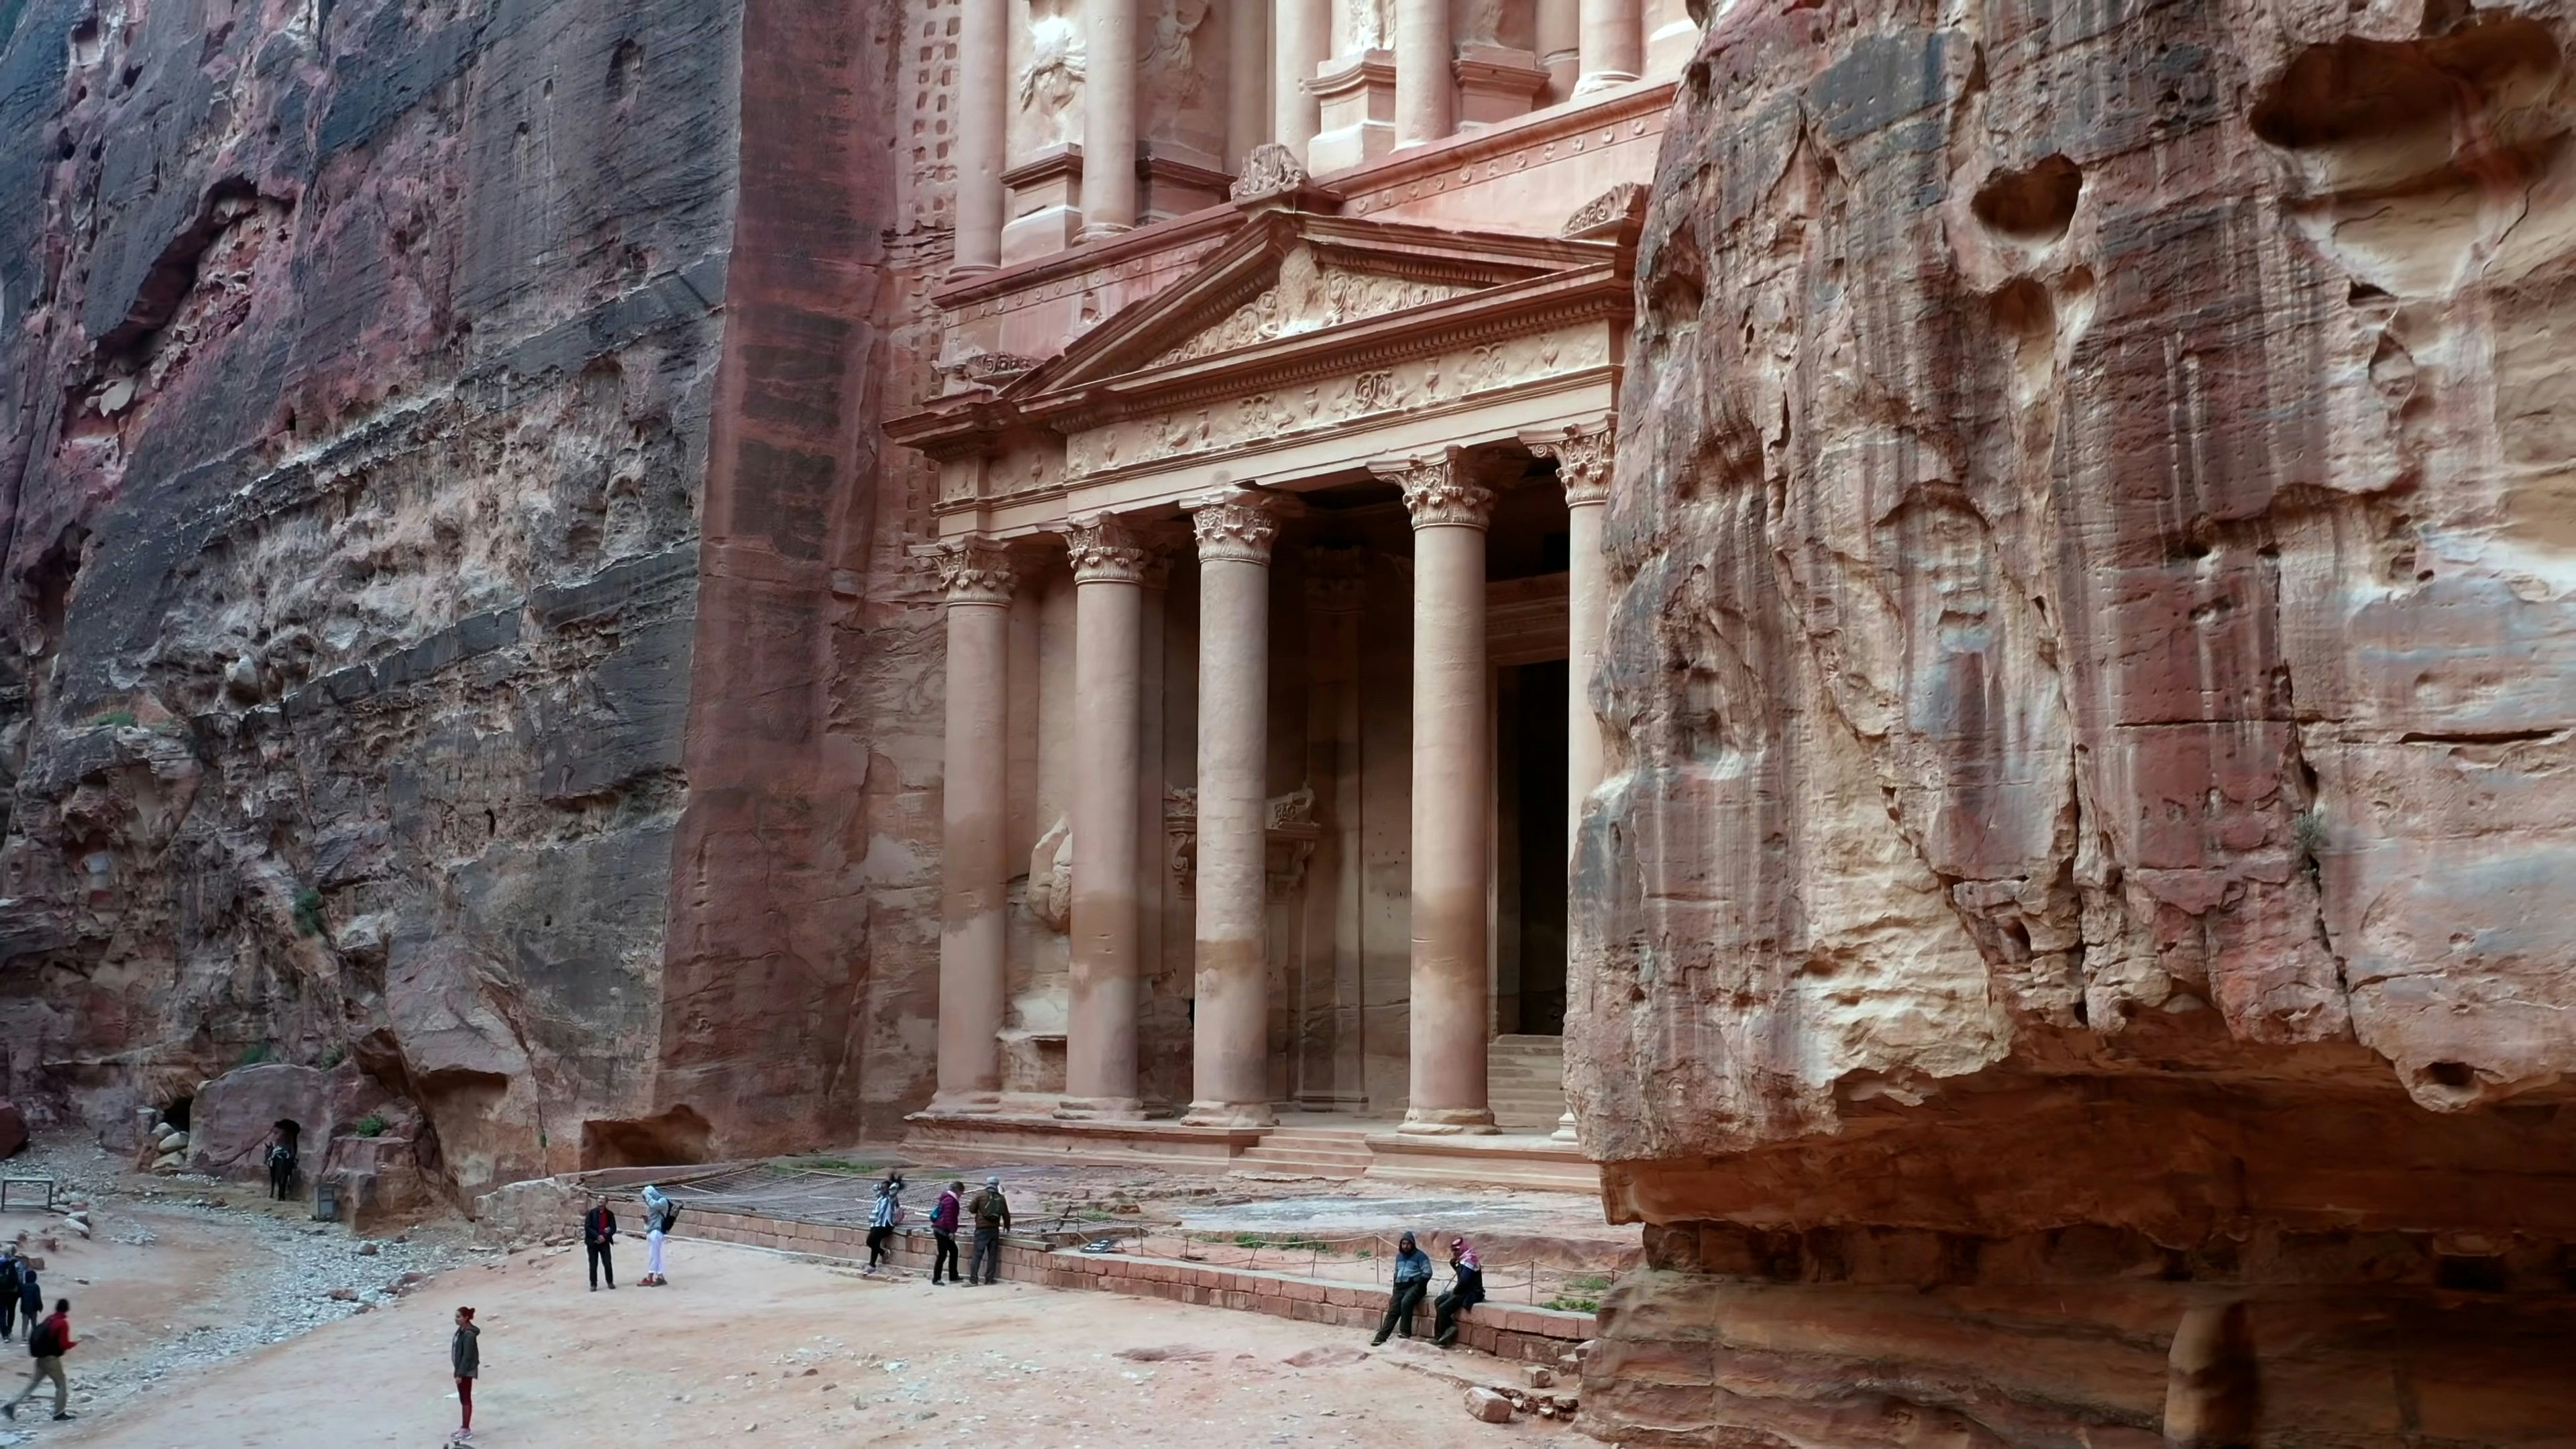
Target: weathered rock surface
{"points": [[378, 383], [2073, 946]]}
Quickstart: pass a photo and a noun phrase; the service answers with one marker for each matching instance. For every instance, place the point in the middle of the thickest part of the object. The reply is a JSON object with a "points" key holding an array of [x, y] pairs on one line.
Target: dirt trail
{"points": [[747, 1343]]}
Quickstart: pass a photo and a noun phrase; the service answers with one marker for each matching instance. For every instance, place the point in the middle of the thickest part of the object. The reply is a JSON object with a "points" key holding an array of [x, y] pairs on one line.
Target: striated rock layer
{"points": [[2074, 948], [428, 507]]}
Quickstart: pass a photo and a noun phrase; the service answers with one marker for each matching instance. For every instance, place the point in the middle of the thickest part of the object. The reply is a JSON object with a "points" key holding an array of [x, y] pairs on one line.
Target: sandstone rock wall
{"points": [[371, 376], [2091, 694]]}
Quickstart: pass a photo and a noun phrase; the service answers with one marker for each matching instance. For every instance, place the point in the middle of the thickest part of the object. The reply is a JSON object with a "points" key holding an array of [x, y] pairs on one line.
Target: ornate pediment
{"points": [[1308, 297], [1292, 274]]}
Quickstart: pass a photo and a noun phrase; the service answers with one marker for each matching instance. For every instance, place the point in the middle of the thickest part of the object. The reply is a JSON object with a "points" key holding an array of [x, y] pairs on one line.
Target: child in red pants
{"points": [[465, 1356]]}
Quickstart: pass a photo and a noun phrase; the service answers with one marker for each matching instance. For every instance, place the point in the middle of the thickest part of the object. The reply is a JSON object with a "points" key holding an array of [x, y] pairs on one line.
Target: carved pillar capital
{"points": [[1107, 551], [1583, 461], [1237, 524], [973, 570], [1438, 493]]}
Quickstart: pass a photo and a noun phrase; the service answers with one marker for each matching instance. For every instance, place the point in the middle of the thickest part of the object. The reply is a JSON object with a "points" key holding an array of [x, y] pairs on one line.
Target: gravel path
{"points": [[187, 1272]]}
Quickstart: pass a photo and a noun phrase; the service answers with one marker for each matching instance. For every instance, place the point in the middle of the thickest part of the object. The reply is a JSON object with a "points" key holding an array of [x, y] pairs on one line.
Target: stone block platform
{"points": [[1316, 1145]]}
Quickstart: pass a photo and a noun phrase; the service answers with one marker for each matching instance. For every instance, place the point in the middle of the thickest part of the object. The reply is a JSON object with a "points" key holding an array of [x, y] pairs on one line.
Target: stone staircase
{"points": [[1525, 1082], [1335, 1152]]}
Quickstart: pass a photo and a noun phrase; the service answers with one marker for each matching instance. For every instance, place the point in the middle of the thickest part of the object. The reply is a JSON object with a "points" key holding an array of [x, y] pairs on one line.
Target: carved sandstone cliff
{"points": [[2074, 945], [424, 433]]}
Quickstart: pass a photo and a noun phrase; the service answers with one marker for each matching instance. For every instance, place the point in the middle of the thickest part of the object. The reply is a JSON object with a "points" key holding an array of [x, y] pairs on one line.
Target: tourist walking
{"points": [[943, 1232], [1466, 1290], [992, 1219], [31, 1295], [465, 1360], [659, 1213], [9, 1270], [882, 1218], [1412, 1280], [47, 1342], [598, 1231]]}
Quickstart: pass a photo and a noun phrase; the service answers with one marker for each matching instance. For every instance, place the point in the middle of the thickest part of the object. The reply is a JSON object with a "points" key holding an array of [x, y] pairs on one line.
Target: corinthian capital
{"points": [[1437, 493], [1583, 461], [1106, 551], [1234, 525], [973, 571]]}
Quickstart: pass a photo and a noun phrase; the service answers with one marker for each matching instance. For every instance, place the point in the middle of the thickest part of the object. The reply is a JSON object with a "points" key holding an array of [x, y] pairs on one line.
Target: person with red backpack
{"points": [[47, 1342]]}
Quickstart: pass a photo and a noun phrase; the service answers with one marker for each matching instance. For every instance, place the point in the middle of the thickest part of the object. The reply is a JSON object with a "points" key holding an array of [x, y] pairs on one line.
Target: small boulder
{"points": [[1489, 1406], [367, 1250], [1540, 1376], [169, 1161]]}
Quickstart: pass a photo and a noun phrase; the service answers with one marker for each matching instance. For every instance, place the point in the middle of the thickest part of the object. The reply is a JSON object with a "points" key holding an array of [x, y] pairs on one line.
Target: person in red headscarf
{"points": [[1466, 1290]]}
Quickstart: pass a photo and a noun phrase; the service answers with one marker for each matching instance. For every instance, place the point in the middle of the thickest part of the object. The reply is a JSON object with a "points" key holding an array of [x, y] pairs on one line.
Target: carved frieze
{"points": [[1607, 212], [1448, 376]]}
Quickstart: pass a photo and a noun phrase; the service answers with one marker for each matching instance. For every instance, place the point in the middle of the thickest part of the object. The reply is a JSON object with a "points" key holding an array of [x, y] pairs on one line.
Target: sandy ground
{"points": [[755, 1346]]}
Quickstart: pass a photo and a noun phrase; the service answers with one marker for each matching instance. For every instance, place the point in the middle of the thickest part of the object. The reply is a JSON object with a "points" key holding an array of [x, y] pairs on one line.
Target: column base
{"points": [[1100, 1109], [1229, 1114], [1446, 1121], [1093, 231], [1564, 1129], [964, 1104], [1601, 80]]}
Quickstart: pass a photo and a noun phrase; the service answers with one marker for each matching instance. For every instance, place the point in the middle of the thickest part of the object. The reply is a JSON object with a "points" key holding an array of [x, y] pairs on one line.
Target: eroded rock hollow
{"points": [[2072, 949]]}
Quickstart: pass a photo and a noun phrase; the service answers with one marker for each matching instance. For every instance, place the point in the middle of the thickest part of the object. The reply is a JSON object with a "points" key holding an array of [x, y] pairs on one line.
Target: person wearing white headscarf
{"points": [[657, 1219]]}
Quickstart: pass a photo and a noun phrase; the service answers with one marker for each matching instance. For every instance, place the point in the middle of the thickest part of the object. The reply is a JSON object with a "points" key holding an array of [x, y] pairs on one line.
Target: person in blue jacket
{"points": [[1412, 1280]]}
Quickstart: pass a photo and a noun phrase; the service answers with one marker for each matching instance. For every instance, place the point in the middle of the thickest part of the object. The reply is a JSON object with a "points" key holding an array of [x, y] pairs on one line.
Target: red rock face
{"points": [[2073, 926], [434, 505]]}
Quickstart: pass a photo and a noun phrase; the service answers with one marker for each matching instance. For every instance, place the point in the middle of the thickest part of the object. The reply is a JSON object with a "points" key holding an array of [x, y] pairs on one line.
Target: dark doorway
{"points": [[1530, 769]]}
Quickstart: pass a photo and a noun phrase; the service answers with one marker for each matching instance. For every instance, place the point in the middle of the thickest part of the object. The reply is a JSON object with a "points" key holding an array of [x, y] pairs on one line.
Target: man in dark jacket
{"points": [[992, 1219], [1412, 1280], [943, 1231], [9, 1270], [465, 1359], [47, 1342], [598, 1230], [1464, 1293], [31, 1294]]}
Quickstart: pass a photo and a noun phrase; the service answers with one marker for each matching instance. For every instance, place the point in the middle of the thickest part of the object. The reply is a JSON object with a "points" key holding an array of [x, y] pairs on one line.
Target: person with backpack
{"points": [[882, 1219], [9, 1268], [465, 1360], [992, 1219], [47, 1342], [659, 1213], [598, 1231], [1465, 1292], [943, 1232]]}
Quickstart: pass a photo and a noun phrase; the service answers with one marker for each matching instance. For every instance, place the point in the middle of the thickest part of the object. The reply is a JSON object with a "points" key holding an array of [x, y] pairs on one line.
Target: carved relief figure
{"points": [[1361, 25], [1051, 877], [1169, 66], [1051, 80]]}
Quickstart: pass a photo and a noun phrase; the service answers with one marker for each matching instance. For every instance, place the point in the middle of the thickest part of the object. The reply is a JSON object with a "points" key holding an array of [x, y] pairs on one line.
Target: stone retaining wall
{"points": [[1536, 1335]]}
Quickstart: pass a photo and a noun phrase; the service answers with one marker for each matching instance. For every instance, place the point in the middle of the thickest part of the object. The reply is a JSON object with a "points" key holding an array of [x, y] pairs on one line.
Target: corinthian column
{"points": [[983, 120], [1231, 1069], [1613, 44], [1100, 1035], [1301, 35], [1583, 460], [1453, 781], [973, 856], [1108, 119], [1425, 92]]}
